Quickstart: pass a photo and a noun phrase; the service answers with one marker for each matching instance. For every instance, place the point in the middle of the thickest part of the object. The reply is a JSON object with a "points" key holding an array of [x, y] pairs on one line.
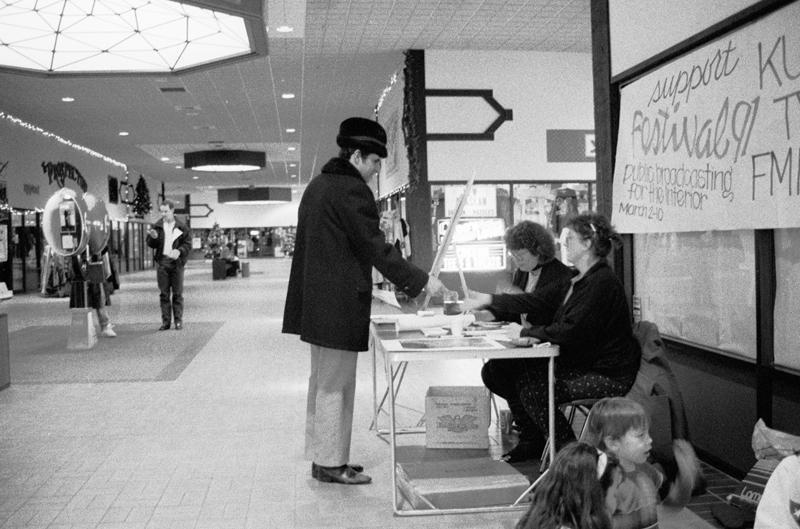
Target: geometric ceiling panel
{"points": [[68, 36]]}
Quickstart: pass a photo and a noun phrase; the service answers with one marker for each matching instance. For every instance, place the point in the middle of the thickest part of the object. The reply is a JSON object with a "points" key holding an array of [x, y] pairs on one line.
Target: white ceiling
{"points": [[337, 61]]}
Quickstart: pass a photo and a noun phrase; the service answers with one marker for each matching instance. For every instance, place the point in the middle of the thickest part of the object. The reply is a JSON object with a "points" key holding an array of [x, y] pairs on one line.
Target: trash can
{"points": [[245, 266], [218, 268]]}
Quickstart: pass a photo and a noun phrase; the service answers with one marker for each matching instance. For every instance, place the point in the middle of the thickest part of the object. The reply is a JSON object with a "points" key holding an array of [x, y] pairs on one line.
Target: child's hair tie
{"points": [[602, 463]]}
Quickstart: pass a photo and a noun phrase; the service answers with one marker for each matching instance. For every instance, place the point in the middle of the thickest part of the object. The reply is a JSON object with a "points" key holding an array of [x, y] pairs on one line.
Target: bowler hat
{"points": [[362, 133]]}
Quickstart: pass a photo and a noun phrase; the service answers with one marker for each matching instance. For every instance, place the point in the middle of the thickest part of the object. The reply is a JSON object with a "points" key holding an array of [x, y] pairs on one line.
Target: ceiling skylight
{"points": [[71, 36]]}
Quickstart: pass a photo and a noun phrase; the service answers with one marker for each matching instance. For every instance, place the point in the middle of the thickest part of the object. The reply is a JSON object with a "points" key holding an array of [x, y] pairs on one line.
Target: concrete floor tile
{"points": [[122, 525], [178, 512], [79, 516]]}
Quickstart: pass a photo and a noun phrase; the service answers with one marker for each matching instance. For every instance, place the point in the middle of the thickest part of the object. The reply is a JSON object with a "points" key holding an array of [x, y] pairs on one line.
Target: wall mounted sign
{"points": [[481, 202], [127, 194], [446, 109], [113, 190], [60, 172], [711, 141], [568, 145], [193, 213], [395, 170]]}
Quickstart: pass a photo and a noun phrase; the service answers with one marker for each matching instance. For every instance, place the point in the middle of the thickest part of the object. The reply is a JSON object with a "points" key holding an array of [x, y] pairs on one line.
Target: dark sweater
{"points": [[554, 280], [592, 328]]}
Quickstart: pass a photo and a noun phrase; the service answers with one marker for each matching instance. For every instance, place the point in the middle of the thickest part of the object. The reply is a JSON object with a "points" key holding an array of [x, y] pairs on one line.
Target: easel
{"points": [[448, 238]]}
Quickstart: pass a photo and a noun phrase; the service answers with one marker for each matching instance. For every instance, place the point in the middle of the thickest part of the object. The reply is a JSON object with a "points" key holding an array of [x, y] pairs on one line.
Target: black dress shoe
{"points": [[164, 327], [315, 469], [343, 474], [178, 325], [524, 451]]}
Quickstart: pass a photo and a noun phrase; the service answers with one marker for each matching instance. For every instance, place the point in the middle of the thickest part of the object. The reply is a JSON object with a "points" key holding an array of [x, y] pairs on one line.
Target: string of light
{"points": [[5, 207], [385, 91], [50, 135]]}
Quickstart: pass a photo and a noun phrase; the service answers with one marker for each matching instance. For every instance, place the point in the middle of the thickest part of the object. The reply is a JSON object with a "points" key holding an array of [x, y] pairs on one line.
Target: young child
{"points": [[577, 492], [619, 426], [780, 503]]}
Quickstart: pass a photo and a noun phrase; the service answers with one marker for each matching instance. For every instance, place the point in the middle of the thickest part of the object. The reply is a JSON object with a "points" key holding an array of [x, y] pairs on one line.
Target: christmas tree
{"points": [[214, 241], [141, 203]]}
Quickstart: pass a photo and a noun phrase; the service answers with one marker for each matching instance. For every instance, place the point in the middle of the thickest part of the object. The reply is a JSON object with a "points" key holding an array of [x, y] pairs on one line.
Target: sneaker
{"points": [[108, 331]]}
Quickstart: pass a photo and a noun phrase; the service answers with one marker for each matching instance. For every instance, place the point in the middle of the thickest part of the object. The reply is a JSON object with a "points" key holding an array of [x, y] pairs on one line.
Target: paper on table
{"points": [[387, 296], [412, 322], [448, 342], [513, 330]]}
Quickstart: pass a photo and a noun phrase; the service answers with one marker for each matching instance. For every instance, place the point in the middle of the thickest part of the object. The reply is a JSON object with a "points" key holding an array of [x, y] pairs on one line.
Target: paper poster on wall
{"points": [[481, 202], [711, 141], [395, 168]]}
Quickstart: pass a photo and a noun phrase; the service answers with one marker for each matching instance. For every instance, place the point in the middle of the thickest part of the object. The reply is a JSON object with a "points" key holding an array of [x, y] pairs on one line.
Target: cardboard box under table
{"points": [[460, 483], [457, 417]]}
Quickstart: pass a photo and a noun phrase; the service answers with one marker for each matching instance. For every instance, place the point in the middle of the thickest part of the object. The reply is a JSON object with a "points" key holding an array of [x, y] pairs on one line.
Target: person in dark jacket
{"points": [[171, 242], [338, 241], [599, 355], [533, 249]]}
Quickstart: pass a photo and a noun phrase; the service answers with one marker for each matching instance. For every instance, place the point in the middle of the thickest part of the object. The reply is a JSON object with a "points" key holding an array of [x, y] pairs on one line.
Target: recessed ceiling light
{"points": [[293, 176], [67, 99], [292, 165], [123, 133], [292, 149], [287, 96], [284, 29], [178, 167], [291, 130], [195, 177], [164, 159]]}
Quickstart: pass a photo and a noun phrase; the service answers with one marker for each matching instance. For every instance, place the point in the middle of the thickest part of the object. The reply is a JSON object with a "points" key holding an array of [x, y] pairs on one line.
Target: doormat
{"points": [[139, 353]]}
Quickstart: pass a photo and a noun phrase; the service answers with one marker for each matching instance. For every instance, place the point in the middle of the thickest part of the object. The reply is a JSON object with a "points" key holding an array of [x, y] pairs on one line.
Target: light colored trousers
{"points": [[329, 407]]}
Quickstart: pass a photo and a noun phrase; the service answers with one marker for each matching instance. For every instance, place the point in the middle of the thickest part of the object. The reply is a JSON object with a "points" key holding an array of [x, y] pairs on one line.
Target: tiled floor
{"points": [[219, 447]]}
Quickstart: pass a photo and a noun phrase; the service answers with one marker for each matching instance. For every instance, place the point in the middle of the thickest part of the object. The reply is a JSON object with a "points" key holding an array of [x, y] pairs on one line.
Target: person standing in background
{"points": [[171, 240], [329, 297]]}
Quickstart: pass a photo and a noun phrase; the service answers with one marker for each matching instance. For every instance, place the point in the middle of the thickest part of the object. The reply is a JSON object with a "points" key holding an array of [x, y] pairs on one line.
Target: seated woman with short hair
{"points": [[532, 248], [599, 355]]}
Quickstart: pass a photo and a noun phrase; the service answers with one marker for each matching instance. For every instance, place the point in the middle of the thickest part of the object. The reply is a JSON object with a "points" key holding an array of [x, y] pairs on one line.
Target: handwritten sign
{"points": [[481, 201], [711, 141]]}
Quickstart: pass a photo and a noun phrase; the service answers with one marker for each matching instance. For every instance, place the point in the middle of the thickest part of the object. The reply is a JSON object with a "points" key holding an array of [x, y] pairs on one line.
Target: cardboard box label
{"points": [[457, 417]]}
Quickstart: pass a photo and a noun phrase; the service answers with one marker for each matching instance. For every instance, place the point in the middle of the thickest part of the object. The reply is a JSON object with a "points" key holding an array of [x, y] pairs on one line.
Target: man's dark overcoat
{"points": [[338, 241]]}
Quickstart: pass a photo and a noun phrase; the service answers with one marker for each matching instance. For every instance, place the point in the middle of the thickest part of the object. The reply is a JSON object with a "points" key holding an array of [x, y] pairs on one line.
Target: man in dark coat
{"points": [[171, 242], [330, 290]]}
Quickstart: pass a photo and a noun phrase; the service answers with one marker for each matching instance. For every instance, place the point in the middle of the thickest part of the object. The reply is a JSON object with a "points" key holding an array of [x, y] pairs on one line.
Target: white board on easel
{"points": [[448, 238]]}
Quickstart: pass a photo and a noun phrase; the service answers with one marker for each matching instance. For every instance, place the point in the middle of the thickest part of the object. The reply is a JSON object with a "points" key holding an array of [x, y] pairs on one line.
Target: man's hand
{"points": [[435, 286], [174, 254], [152, 233]]}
